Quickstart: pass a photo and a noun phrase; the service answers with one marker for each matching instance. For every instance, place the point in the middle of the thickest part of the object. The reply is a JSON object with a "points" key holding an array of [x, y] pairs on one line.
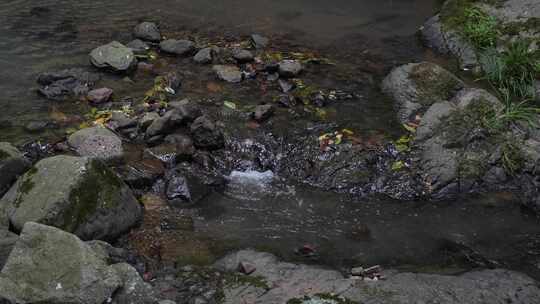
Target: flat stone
{"points": [[229, 73], [290, 68], [97, 142], [115, 56], [100, 95], [177, 47]]}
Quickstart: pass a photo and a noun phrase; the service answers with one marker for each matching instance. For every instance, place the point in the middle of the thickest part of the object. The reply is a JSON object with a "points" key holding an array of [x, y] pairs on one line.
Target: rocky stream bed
{"points": [[182, 167]]}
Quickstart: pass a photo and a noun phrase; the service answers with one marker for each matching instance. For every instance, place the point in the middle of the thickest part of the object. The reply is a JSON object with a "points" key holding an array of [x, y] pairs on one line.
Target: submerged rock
{"points": [[205, 55], [138, 47], [228, 73], [242, 56], [177, 47], [12, 165], [416, 86], [66, 83], [76, 194], [259, 42], [114, 56], [206, 134], [290, 68], [147, 31], [97, 142]]}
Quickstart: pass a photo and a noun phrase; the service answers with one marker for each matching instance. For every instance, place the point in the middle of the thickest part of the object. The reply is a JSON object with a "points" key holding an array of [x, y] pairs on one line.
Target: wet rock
{"points": [[147, 31], [183, 145], [12, 165], [177, 47], [242, 56], [178, 190], [114, 56], [147, 119], [36, 126], [447, 41], [100, 95], [66, 83], [120, 120], [97, 142], [184, 188], [416, 86], [172, 81], [262, 112], [228, 73], [67, 270], [204, 56], [187, 109], [142, 174], [286, 86], [206, 135], [168, 123], [290, 68], [138, 47], [259, 42], [280, 282], [92, 203]]}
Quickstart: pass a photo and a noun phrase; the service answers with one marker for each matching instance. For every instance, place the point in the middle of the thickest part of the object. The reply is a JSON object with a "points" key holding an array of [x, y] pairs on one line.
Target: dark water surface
{"points": [[36, 36]]}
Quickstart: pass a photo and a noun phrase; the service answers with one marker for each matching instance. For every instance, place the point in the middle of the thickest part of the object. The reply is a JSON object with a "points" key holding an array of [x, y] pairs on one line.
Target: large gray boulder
{"points": [[114, 56], [77, 194], [97, 142], [12, 164], [48, 265], [147, 31], [68, 270], [416, 86], [273, 282]]}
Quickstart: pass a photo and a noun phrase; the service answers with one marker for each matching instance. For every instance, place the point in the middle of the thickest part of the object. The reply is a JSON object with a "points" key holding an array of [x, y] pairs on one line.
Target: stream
{"points": [[262, 210]]}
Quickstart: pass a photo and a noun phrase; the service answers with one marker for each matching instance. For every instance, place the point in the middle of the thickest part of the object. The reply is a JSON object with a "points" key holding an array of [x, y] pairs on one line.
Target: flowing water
{"points": [[258, 209]]}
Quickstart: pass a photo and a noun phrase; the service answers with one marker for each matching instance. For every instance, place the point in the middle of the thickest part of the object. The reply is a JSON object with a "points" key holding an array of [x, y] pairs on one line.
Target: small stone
{"points": [[286, 86], [147, 31], [101, 95], [228, 73], [259, 42], [120, 120], [262, 112], [242, 55], [36, 126], [147, 119], [286, 100], [289, 68], [206, 134], [204, 56], [97, 142], [138, 46], [246, 268], [177, 47], [114, 55]]}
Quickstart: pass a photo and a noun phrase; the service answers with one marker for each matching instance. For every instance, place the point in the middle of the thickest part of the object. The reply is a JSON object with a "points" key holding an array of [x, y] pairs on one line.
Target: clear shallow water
{"points": [[52, 34], [45, 35]]}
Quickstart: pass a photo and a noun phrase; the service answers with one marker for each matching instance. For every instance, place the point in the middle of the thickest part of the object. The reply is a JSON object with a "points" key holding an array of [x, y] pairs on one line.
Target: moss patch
{"points": [[433, 84], [4, 155], [99, 188]]}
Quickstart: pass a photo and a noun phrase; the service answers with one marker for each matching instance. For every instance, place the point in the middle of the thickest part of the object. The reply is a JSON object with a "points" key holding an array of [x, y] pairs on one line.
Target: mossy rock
{"points": [[416, 86], [76, 194], [12, 164]]}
